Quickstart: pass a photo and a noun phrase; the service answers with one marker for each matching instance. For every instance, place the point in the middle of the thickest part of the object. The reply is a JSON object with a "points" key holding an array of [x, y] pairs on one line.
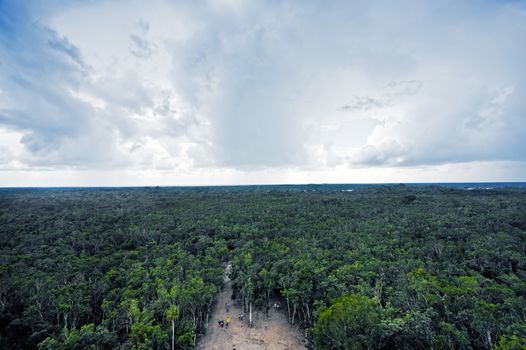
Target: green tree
{"points": [[172, 314], [513, 342], [87, 337], [352, 322], [144, 334]]}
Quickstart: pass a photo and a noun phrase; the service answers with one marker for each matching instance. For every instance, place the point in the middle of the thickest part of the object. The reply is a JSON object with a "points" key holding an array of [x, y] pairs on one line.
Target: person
{"points": [[228, 320], [227, 307], [240, 316]]}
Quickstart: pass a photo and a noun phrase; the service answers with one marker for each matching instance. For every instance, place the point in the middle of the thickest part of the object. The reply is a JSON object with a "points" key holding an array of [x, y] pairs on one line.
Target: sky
{"points": [[135, 93]]}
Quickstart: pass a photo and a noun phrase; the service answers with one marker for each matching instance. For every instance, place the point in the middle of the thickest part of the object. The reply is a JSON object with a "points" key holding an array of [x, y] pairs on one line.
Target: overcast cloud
{"points": [[187, 92]]}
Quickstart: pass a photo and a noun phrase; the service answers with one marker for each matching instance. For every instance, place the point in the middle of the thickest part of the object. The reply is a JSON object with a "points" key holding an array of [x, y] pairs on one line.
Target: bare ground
{"points": [[272, 333]]}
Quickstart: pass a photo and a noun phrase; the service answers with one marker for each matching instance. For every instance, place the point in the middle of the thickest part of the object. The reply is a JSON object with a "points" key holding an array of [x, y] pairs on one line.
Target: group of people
{"points": [[228, 320], [225, 323]]}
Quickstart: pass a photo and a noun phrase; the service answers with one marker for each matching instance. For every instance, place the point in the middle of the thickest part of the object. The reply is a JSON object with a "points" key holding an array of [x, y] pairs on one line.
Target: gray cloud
{"points": [[39, 70], [62, 44], [140, 46], [387, 97], [44, 81], [235, 75], [363, 103]]}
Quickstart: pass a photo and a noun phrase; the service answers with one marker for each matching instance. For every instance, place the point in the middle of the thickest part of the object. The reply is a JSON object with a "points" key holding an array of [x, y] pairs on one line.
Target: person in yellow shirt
{"points": [[228, 320]]}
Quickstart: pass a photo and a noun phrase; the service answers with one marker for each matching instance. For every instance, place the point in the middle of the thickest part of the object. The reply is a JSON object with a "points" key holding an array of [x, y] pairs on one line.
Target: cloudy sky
{"points": [[236, 92]]}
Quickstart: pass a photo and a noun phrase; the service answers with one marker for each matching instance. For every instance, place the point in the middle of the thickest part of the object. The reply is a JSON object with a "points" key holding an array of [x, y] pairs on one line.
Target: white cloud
{"points": [[190, 89]]}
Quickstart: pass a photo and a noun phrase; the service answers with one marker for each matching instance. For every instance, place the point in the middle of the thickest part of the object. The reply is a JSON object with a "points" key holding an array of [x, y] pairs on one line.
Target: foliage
{"points": [[379, 267], [351, 322]]}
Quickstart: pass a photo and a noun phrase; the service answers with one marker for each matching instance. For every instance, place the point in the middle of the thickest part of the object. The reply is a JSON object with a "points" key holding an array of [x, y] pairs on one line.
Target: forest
{"points": [[379, 267]]}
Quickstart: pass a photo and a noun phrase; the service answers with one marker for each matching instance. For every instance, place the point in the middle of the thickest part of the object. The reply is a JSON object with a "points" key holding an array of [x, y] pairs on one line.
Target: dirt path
{"points": [[273, 333]]}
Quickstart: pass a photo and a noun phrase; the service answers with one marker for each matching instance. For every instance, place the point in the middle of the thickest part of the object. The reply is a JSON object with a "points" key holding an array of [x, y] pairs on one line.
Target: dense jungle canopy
{"points": [[374, 268]]}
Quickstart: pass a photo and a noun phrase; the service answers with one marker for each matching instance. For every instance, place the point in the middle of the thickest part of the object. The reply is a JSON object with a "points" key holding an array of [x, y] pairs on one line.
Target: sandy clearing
{"points": [[273, 333]]}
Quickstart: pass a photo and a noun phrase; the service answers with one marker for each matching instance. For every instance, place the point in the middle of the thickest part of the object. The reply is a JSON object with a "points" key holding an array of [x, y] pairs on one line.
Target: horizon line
{"points": [[266, 184]]}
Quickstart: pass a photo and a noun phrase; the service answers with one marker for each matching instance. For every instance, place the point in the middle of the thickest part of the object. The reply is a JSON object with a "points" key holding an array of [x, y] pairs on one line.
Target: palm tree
{"points": [[172, 314]]}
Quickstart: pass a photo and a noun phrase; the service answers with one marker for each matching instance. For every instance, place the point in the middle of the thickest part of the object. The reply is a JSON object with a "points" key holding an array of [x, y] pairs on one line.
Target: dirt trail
{"points": [[273, 333]]}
